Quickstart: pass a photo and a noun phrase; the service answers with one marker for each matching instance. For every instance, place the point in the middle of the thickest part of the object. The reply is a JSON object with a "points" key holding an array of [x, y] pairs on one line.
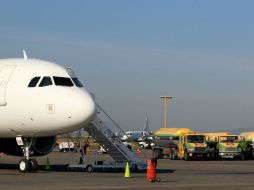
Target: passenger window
{"points": [[77, 82], [34, 82], [62, 81], [46, 81]]}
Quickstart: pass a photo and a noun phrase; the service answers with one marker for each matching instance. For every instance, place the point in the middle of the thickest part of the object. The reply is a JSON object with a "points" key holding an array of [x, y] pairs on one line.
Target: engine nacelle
{"points": [[42, 145], [39, 146]]}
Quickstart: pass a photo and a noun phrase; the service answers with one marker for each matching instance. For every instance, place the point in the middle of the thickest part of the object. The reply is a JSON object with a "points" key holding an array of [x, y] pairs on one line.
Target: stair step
{"points": [[103, 135]]}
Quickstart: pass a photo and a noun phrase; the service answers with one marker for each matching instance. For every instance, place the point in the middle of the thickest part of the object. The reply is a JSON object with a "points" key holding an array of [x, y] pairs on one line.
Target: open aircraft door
{"points": [[5, 75]]}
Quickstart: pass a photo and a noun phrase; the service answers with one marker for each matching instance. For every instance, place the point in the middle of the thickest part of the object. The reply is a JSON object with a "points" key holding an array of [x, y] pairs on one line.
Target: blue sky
{"points": [[129, 53]]}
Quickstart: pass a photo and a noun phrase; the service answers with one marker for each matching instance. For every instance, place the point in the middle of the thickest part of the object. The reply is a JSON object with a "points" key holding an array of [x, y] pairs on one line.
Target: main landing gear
{"points": [[26, 164]]}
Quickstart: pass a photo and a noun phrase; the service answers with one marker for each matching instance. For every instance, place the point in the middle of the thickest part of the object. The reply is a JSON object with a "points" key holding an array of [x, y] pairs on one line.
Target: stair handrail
{"points": [[118, 143], [118, 127]]}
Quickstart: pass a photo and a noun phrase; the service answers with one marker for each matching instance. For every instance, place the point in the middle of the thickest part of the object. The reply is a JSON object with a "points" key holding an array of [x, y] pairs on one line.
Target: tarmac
{"points": [[174, 174]]}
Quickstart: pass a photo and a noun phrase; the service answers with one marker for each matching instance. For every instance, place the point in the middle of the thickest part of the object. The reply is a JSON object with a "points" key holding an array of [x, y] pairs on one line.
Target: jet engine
{"points": [[39, 146]]}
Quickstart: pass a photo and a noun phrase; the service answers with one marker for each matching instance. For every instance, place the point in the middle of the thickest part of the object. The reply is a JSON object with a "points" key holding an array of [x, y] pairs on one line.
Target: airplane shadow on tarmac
{"points": [[164, 171], [55, 168], [62, 168], [9, 166]]}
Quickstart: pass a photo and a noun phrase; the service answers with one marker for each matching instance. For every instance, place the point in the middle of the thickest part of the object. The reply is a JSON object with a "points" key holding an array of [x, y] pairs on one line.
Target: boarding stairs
{"points": [[104, 135]]}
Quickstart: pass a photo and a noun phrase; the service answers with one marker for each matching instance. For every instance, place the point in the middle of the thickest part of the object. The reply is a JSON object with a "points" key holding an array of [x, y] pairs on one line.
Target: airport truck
{"points": [[179, 143], [212, 139], [247, 144], [146, 144], [229, 146], [167, 140], [223, 145], [193, 146], [66, 146]]}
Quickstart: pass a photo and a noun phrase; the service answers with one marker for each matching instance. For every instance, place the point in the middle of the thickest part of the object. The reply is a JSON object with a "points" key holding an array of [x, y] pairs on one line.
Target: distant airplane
{"points": [[39, 100], [137, 135]]}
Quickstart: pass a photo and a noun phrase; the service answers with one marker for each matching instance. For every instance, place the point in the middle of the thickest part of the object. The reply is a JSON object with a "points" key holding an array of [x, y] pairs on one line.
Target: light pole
{"points": [[165, 99]]}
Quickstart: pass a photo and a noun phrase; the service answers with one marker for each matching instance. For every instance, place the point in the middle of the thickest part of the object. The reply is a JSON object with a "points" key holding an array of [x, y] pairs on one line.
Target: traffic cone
{"points": [[127, 171], [47, 166]]}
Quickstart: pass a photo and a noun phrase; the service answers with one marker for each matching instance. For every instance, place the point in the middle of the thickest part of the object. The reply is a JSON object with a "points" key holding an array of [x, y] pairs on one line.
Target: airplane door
{"points": [[5, 75]]}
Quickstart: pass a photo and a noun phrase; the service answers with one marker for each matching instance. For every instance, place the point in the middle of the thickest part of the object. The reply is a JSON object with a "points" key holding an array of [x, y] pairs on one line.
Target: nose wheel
{"points": [[33, 165], [30, 165], [27, 164], [24, 165]]}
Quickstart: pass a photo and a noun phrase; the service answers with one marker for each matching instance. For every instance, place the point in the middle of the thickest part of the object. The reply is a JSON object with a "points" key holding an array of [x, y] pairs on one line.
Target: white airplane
{"points": [[39, 100], [137, 135]]}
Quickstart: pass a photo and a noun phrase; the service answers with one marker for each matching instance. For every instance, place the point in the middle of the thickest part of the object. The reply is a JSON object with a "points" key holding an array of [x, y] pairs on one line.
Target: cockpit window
{"points": [[46, 81], [62, 81], [73, 77], [34, 82], [77, 82]]}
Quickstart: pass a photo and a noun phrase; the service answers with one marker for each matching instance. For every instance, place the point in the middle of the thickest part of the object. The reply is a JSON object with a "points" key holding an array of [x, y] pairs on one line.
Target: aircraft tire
{"points": [[24, 165], [33, 165], [89, 168]]}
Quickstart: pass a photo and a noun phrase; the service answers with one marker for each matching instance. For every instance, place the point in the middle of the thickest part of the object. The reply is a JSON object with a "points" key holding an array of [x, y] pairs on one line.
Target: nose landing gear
{"points": [[29, 165], [26, 164]]}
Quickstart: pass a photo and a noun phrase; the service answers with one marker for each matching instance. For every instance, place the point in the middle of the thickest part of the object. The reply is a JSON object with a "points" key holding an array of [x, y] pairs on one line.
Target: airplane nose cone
{"points": [[89, 110], [84, 109]]}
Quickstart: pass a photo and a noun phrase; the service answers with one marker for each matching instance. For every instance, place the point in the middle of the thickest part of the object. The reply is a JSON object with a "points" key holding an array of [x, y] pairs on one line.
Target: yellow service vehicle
{"points": [[229, 147], [248, 136], [167, 141], [213, 136], [223, 145], [212, 139], [247, 144], [164, 135], [193, 146]]}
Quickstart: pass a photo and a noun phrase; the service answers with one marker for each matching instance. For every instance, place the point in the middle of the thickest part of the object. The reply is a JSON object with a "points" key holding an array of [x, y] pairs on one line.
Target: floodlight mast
{"points": [[165, 100]]}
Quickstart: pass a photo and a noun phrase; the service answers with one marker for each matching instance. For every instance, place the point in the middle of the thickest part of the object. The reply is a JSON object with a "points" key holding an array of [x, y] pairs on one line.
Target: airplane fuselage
{"points": [[46, 109]]}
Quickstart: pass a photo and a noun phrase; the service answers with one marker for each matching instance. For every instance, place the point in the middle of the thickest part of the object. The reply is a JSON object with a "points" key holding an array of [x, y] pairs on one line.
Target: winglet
{"points": [[24, 54]]}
